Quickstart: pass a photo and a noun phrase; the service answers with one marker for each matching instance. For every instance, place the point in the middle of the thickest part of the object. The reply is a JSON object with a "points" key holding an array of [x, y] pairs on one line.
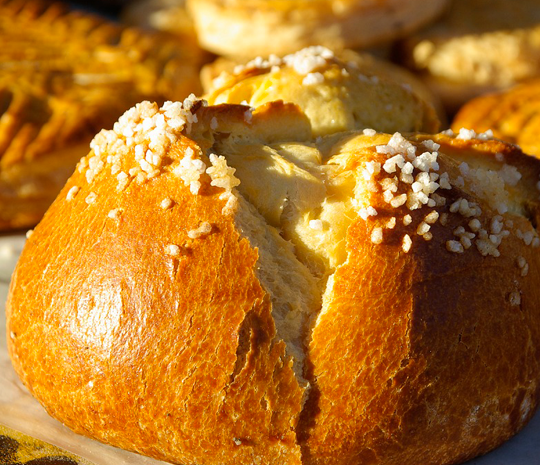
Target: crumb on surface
{"points": [[203, 230]]}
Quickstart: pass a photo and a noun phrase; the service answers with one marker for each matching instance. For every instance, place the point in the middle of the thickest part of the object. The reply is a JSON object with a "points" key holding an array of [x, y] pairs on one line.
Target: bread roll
{"points": [[512, 115], [478, 46], [215, 286], [246, 29], [65, 76], [336, 95]]}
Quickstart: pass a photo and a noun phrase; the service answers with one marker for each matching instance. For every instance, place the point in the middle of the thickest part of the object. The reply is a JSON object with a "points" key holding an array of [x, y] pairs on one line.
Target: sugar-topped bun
{"points": [[215, 286], [336, 95], [240, 28], [65, 76], [512, 115], [478, 46]]}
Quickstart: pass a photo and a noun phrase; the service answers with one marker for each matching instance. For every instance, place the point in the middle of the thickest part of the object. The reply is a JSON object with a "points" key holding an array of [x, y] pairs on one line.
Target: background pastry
{"points": [[335, 95], [513, 115], [246, 29], [64, 76], [162, 15], [299, 299], [478, 46]]}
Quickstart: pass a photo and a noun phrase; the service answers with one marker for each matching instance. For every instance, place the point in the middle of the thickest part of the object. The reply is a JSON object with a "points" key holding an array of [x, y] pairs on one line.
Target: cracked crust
{"points": [[205, 352], [65, 76], [186, 347], [425, 387]]}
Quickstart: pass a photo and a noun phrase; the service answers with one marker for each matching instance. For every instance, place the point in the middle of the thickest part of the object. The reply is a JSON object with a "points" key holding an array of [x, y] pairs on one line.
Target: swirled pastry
{"points": [[64, 76]]}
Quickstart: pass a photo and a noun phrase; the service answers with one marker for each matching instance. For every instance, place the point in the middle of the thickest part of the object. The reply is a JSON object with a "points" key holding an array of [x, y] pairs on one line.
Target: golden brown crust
{"points": [[512, 115], [283, 26], [197, 383], [66, 75], [426, 388], [427, 341]]}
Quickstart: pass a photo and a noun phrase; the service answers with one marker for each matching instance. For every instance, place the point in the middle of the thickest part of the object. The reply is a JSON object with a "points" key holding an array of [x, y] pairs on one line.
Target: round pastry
{"points": [[335, 95], [246, 29], [512, 115], [65, 76], [215, 286], [479, 46]]}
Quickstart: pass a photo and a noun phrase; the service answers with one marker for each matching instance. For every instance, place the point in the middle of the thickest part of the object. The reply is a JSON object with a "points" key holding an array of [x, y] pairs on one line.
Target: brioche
{"points": [[246, 29], [512, 115], [213, 285], [335, 95], [478, 46], [65, 76]]}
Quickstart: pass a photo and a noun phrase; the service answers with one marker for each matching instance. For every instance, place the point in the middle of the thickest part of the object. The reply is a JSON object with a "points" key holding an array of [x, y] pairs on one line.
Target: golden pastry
{"points": [[512, 115], [214, 285], [336, 95], [64, 75], [479, 46], [249, 28]]}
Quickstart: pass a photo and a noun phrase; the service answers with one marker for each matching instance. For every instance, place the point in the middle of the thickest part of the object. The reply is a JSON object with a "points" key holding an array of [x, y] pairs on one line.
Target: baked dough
{"points": [[161, 15], [214, 73], [336, 95], [66, 75], [479, 46], [512, 115], [246, 29], [213, 285]]}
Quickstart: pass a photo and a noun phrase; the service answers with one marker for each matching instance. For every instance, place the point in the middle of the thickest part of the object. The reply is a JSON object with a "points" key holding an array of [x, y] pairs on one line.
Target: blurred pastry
{"points": [[512, 115], [479, 46], [161, 15], [336, 95], [240, 28], [64, 76]]}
